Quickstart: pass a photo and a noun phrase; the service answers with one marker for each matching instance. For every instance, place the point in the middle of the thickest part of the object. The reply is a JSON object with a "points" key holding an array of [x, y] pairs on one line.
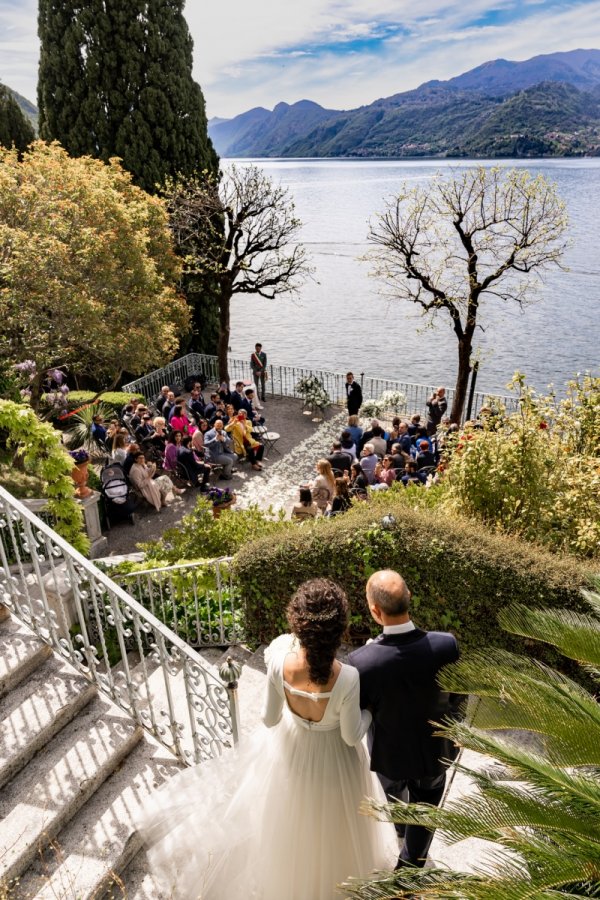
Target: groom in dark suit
{"points": [[398, 683]]}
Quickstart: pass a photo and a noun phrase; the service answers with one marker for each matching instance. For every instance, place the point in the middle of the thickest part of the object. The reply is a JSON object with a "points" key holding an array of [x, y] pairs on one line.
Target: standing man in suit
{"points": [[258, 364], [398, 683], [353, 394]]}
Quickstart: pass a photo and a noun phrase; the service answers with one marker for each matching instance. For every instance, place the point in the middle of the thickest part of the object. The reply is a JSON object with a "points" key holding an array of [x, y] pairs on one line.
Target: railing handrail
{"points": [[196, 564], [100, 576]]}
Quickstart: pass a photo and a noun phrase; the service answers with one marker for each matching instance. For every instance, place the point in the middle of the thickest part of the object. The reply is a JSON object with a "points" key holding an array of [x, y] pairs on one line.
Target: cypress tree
{"points": [[115, 79], [15, 128]]}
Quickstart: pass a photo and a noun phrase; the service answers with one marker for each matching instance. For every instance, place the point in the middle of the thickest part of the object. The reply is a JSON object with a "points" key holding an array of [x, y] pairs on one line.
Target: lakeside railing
{"points": [[112, 639], [198, 601], [282, 381]]}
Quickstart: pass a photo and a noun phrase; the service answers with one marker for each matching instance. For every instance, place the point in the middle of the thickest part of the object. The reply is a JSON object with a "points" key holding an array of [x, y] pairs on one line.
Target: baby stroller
{"points": [[118, 501]]}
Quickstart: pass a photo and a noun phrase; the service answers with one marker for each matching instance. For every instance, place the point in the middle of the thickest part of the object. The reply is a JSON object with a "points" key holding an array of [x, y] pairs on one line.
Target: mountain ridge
{"points": [[440, 118]]}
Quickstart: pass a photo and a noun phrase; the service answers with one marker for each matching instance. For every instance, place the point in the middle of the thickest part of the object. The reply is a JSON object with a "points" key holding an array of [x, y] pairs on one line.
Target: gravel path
{"points": [[301, 443]]}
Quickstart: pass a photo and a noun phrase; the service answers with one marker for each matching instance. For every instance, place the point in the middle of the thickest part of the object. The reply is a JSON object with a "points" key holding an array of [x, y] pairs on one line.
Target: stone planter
{"points": [[217, 510], [80, 477]]}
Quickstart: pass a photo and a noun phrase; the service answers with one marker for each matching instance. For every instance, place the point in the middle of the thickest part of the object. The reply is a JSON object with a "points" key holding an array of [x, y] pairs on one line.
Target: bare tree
{"points": [[482, 232], [240, 232]]}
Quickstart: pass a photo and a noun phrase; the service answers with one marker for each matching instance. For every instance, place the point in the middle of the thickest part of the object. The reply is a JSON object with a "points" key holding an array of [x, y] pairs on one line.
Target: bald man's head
{"points": [[387, 590]]}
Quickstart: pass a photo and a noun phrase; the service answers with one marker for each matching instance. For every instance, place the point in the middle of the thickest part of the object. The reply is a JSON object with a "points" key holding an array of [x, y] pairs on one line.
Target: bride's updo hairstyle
{"points": [[318, 616]]}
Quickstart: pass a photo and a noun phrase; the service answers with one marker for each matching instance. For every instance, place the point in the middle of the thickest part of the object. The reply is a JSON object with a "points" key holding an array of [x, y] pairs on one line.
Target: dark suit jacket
{"points": [[354, 397], [398, 684]]}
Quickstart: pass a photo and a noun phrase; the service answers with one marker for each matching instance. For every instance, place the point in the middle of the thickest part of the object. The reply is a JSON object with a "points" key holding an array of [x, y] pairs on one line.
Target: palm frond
{"points": [[521, 694], [574, 634]]}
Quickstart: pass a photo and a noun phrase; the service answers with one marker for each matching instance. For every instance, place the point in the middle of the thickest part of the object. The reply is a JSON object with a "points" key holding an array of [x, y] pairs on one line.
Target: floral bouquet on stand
{"points": [[315, 397]]}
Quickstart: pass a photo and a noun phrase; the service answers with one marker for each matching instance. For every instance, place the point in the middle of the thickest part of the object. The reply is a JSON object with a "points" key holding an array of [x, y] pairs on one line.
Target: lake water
{"points": [[340, 321]]}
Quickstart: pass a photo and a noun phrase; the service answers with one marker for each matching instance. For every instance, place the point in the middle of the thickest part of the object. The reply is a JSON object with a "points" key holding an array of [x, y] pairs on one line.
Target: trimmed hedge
{"points": [[115, 400], [460, 575]]}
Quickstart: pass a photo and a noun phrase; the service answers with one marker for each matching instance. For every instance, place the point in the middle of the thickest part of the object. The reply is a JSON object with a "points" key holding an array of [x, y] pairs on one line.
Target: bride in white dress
{"points": [[279, 819]]}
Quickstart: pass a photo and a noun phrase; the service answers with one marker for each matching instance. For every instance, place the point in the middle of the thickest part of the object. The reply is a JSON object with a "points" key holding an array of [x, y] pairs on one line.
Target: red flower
{"points": [[470, 437], [543, 425]]}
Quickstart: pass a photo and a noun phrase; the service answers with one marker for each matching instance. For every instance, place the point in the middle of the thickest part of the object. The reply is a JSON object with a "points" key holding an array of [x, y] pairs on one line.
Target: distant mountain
{"points": [[547, 105], [27, 108]]}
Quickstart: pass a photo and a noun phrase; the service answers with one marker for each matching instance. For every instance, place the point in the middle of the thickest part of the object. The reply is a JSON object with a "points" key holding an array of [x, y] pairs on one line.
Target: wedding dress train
{"points": [[278, 819]]}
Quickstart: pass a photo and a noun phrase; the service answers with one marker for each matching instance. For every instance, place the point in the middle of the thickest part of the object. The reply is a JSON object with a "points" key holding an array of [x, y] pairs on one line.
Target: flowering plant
{"points": [[220, 496], [79, 456], [312, 390], [394, 401]]}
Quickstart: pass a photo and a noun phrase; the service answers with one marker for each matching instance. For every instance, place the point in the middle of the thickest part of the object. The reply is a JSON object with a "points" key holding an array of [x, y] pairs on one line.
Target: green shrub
{"points": [[459, 574], [200, 536], [113, 400]]}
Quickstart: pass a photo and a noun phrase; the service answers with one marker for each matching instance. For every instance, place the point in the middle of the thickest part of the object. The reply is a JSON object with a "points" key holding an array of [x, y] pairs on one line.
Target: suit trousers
{"points": [[416, 839]]}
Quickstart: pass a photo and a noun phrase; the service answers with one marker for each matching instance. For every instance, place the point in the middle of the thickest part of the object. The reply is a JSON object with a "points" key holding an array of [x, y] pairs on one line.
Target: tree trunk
{"points": [[224, 331], [462, 380]]}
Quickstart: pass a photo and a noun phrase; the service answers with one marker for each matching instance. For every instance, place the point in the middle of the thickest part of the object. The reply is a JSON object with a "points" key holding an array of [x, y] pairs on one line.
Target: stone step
{"points": [[88, 856], [137, 883], [21, 652], [59, 780], [37, 709]]}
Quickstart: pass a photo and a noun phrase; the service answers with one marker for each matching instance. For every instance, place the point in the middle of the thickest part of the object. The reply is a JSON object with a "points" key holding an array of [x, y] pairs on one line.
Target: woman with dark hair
{"points": [[306, 508], [341, 501], [171, 452], [358, 483], [281, 822]]}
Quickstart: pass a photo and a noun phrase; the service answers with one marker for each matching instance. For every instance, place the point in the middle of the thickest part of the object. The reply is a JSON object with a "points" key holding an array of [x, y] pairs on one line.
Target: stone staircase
{"points": [[75, 770]]}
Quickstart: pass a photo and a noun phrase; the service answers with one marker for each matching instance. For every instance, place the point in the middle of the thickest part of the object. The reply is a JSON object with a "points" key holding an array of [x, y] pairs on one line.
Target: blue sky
{"points": [[340, 53]]}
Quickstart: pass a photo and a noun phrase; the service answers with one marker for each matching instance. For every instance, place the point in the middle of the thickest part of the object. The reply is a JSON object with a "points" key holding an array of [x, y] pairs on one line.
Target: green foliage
{"points": [[15, 129], [544, 816], [115, 80], [40, 447], [460, 575], [537, 472], [80, 432], [89, 273], [200, 536], [112, 401], [186, 600]]}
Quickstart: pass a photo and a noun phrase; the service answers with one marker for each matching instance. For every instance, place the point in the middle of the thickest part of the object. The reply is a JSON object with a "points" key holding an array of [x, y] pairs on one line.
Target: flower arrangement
{"points": [[312, 390], [392, 401], [220, 496], [79, 456]]}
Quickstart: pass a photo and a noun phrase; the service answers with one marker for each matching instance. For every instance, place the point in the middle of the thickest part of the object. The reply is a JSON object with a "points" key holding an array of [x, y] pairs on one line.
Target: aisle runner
{"points": [[278, 486]]}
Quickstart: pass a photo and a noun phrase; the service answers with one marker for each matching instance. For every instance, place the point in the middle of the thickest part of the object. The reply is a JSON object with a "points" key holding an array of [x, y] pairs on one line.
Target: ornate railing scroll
{"points": [[198, 601], [111, 638], [283, 380]]}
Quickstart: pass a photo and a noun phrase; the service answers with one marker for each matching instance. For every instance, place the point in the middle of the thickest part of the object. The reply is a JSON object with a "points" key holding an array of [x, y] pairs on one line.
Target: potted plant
{"points": [[81, 460], [221, 498]]}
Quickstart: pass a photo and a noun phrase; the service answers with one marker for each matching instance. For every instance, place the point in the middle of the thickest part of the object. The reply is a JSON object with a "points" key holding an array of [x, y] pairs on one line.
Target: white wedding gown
{"points": [[279, 818]]}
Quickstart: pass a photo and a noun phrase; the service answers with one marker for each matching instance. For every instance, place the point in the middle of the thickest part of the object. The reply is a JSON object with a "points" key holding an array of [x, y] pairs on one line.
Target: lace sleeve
{"points": [[354, 723]]}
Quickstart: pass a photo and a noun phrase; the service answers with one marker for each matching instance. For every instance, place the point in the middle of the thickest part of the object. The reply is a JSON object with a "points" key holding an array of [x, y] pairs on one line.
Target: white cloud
{"points": [[263, 52]]}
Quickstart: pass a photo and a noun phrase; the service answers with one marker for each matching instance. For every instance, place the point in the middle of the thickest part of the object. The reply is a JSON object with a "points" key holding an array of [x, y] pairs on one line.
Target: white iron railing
{"points": [[198, 601], [283, 380], [112, 639]]}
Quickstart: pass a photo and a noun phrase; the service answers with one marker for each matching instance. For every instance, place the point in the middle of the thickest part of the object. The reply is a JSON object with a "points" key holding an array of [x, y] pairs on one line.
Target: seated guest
{"points": [[180, 422], [112, 429], [195, 406], [414, 424], [224, 393], [341, 501], [323, 486], [158, 438], [211, 407], [411, 475], [378, 441], [404, 440], [306, 508], [155, 490], [398, 458], [127, 415], [237, 396], [136, 419], [167, 406], [132, 449], [424, 458], [358, 482], [244, 444], [119, 448], [145, 429], [198, 437], [385, 473], [133, 402], [197, 472], [171, 451], [218, 449], [368, 461], [162, 398], [98, 429], [392, 437], [355, 430], [179, 401], [340, 461], [247, 404], [349, 447], [219, 413]]}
